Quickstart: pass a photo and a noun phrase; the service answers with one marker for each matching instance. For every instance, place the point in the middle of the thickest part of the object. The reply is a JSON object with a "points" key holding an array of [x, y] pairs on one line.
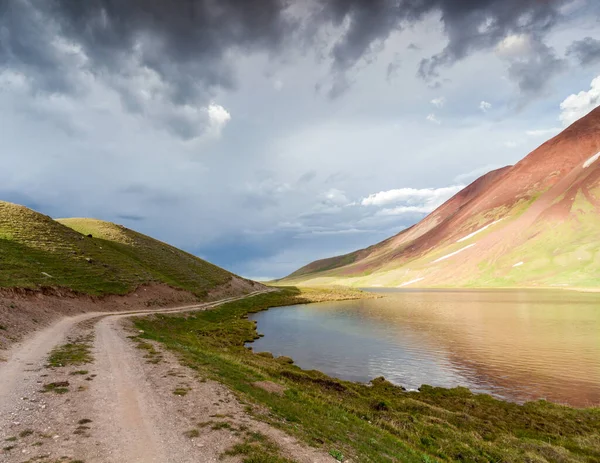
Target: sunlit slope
{"points": [[533, 224], [36, 250]]}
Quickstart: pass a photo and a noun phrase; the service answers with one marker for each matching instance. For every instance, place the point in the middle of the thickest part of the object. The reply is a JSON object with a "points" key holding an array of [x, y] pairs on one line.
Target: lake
{"points": [[517, 345]]}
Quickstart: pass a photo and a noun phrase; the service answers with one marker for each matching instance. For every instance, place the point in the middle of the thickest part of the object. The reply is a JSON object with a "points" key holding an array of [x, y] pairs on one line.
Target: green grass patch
{"points": [[257, 448], [74, 353], [152, 355], [192, 433], [61, 387], [181, 391], [379, 422]]}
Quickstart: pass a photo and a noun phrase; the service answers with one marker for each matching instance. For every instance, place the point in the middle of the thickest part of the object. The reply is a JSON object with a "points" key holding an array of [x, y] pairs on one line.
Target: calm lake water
{"points": [[518, 345]]}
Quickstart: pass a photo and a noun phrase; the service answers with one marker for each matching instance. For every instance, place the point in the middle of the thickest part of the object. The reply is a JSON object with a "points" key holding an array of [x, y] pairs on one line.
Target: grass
{"points": [[192, 434], [77, 352], [152, 355], [61, 387], [257, 448], [181, 391], [37, 251], [339, 456], [379, 422]]}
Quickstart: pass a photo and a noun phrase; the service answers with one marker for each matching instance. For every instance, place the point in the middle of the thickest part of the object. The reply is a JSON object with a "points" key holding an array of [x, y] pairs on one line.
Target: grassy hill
{"points": [[36, 251]]}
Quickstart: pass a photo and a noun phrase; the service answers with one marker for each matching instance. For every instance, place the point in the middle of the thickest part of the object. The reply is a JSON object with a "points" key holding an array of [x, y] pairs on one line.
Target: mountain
{"points": [[95, 257], [534, 224]]}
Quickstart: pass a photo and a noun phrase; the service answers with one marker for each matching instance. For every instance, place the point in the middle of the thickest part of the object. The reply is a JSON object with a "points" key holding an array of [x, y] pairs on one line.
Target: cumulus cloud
{"points": [[402, 210], [335, 197], [578, 105], [433, 118], [425, 197], [410, 201], [438, 102], [586, 51], [485, 106], [218, 118]]}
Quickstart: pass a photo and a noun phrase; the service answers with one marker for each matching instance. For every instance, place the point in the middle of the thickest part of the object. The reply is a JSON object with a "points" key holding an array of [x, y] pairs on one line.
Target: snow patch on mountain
{"points": [[591, 160]]}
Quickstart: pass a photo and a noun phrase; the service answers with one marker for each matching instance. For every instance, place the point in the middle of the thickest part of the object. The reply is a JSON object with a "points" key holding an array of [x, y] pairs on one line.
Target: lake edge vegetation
{"points": [[376, 422]]}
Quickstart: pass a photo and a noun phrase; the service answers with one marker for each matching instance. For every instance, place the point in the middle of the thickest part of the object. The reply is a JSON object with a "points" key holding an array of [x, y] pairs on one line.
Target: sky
{"points": [[264, 134]]}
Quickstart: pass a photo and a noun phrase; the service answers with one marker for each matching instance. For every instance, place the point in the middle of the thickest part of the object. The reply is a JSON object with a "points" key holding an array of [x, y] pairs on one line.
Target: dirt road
{"points": [[130, 405]]}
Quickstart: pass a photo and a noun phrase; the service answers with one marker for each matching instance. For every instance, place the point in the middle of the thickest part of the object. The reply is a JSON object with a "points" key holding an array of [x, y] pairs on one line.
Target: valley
{"points": [[118, 347]]}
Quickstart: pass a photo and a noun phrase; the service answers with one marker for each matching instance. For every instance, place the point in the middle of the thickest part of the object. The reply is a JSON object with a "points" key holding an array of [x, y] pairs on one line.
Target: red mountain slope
{"points": [[503, 211]]}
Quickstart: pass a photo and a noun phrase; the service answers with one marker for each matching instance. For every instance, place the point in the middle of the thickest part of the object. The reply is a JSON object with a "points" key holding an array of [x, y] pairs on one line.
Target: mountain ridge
{"points": [[556, 185]]}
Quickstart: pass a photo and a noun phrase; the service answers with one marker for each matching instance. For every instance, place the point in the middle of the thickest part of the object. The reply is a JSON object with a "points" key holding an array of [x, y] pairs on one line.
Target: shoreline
{"points": [[249, 345], [453, 288], [366, 422]]}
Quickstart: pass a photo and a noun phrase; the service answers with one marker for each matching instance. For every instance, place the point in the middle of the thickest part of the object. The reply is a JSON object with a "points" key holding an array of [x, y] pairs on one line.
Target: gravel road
{"points": [[122, 406]]}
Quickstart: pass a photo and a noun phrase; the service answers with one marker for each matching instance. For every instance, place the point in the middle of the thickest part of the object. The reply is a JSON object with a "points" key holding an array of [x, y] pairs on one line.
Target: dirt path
{"points": [[122, 408]]}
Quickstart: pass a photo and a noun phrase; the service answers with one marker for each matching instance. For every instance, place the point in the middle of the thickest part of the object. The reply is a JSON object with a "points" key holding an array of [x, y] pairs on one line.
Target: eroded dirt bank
{"points": [[24, 311]]}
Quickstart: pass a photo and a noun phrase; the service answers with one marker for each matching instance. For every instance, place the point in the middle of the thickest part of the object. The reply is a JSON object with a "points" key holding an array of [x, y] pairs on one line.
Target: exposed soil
{"points": [[133, 403], [270, 386], [23, 311]]}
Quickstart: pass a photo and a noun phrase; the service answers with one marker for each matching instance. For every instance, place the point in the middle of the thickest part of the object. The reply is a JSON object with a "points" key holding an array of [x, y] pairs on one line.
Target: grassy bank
{"points": [[379, 422]]}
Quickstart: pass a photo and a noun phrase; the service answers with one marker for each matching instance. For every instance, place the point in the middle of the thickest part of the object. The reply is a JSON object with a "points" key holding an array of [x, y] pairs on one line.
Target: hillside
{"points": [[37, 251], [536, 224]]}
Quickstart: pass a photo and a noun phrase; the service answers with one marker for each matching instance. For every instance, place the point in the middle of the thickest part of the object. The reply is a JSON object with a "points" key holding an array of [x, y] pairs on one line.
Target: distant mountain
{"points": [[534, 224], [95, 257]]}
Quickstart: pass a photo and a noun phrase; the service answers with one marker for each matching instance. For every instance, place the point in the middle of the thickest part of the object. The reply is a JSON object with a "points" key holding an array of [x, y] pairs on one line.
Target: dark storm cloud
{"points": [[186, 43], [25, 45], [586, 51], [183, 40], [536, 69], [474, 25]]}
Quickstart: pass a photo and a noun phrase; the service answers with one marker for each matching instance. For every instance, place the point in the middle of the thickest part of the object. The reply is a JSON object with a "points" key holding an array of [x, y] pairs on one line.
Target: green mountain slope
{"points": [[36, 250]]}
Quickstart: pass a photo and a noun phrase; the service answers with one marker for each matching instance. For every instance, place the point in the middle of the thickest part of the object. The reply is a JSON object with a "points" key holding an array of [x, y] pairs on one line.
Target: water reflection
{"points": [[519, 345]]}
